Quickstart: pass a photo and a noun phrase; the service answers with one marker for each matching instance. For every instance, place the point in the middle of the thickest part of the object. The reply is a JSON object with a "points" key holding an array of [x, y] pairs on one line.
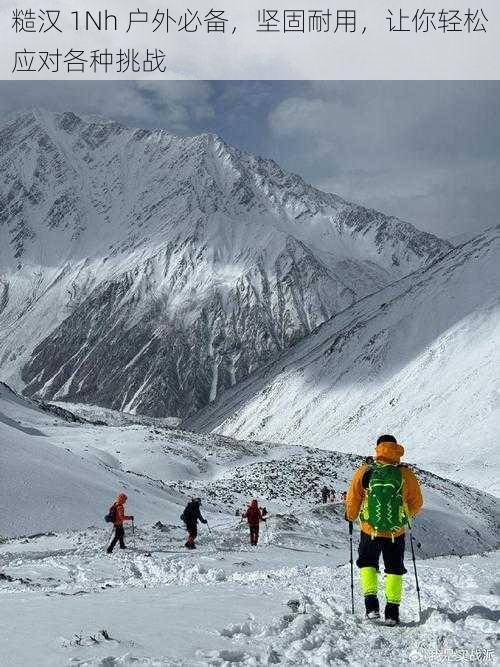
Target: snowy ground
{"points": [[69, 604], [111, 417], [65, 602]]}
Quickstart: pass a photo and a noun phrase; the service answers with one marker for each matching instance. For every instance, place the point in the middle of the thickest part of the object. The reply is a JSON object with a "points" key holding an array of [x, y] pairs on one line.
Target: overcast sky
{"points": [[427, 152]]}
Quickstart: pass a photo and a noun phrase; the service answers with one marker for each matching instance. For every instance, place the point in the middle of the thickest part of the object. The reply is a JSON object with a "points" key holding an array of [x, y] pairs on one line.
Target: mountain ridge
{"points": [[416, 358], [226, 253]]}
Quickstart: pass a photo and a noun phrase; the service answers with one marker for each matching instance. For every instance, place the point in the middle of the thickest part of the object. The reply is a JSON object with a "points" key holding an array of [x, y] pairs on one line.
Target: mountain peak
{"points": [[139, 232]]}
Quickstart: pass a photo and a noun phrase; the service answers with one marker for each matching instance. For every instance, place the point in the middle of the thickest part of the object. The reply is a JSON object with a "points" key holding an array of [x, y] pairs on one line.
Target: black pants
{"points": [[119, 535], [192, 530], [254, 534], [392, 552]]}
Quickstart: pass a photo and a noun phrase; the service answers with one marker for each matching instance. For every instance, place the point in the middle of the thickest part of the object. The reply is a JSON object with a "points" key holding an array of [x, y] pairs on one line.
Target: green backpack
{"points": [[383, 508]]}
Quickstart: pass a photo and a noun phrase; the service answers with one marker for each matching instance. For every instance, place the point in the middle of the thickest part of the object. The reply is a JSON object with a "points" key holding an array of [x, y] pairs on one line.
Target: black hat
{"points": [[386, 438]]}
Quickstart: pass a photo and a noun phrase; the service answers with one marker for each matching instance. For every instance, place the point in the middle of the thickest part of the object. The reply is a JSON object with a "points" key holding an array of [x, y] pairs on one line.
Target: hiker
{"points": [[332, 496], [344, 497], [325, 492], [117, 516], [254, 516], [385, 496], [190, 517]]}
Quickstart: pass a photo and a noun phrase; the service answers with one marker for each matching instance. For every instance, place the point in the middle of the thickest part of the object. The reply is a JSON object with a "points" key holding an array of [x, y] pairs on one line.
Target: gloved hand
{"points": [[132, 518], [203, 521]]}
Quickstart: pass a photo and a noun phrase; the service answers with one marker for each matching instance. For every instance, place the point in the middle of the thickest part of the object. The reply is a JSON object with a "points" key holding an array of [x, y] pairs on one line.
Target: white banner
{"points": [[249, 39]]}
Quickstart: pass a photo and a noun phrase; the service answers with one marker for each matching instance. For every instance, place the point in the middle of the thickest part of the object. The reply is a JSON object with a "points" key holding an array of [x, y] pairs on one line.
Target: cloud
{"points": [[428, 152], [175, 105], [425, 151]]}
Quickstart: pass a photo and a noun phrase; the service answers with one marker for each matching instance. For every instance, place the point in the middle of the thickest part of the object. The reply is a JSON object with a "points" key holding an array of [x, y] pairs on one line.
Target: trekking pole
{"points": [[133, 534], [212, 536], [352, 568], [111, 535], [415, 570]]}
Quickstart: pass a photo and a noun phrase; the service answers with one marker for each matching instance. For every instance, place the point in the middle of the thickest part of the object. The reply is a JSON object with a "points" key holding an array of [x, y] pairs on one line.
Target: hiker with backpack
{"points": [[191, 516], [385, 496], [254, 516], [117, 516]]}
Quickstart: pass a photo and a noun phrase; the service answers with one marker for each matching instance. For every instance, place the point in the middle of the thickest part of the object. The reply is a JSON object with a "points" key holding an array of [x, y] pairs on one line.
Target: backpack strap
{"points": [[365, 483], [365, 480], [407, 515]]}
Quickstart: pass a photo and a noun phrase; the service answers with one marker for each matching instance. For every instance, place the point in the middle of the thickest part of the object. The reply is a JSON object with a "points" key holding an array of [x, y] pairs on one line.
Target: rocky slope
{"points": [[419, 359]]}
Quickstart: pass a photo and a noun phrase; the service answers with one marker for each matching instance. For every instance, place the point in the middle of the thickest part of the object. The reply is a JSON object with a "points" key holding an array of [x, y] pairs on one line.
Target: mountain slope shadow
{"points": [[24, 429]]}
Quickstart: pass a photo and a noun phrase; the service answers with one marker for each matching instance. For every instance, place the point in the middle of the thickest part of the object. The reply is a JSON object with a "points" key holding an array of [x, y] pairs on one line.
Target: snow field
{"points": [[216, 607], [287, 601]]}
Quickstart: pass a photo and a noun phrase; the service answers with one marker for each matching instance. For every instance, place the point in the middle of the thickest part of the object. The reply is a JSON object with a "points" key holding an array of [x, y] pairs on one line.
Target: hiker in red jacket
{"points": [[254, 516], [117, 513]]}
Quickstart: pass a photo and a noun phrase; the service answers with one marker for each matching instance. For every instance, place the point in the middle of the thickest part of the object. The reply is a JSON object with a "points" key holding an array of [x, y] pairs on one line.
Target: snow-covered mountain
{"points": [[146, 272], [459, 239], [419, 359]]}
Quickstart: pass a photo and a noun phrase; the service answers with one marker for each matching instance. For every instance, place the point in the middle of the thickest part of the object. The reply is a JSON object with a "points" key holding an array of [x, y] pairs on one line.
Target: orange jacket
{"points": [[120, 516], [387, 452]]}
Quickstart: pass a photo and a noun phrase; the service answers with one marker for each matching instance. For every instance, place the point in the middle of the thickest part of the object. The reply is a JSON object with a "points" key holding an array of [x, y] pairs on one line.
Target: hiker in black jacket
{"points": [[325, 492], [190, 517]]}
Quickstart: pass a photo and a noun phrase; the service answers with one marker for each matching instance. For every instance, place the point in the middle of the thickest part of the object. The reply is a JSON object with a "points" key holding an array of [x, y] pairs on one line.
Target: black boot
{"points": [[372, 607], [391, 613]]}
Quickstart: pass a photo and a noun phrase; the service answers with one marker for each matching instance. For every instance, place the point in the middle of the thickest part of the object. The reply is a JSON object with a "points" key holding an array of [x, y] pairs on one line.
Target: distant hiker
{"points": [[385, 495], [325, 492], [332, 496], [117, 517], [344, 497], [254, 516], [190, 516]]}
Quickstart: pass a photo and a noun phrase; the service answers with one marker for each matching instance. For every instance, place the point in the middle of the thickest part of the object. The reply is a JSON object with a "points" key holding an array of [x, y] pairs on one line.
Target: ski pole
{"points": [[352, 567], [415, 570]]}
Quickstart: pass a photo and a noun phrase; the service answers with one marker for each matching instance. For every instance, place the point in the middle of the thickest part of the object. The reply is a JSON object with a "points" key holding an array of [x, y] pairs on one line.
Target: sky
{"points": [[425, 151]]}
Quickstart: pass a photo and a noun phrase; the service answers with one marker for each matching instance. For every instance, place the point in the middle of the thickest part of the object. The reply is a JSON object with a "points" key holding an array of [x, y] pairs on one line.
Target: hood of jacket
{"points": [[389, 452]]}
